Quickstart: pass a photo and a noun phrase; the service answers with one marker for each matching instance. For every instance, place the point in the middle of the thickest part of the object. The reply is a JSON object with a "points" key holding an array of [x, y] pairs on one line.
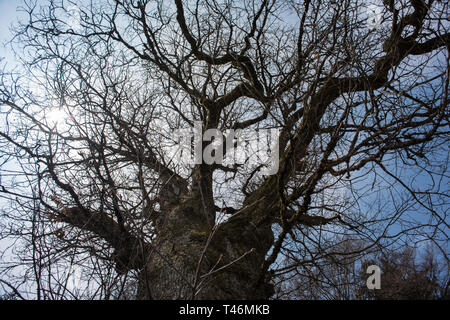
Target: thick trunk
{"points": [[182, 258], [191, 258]]}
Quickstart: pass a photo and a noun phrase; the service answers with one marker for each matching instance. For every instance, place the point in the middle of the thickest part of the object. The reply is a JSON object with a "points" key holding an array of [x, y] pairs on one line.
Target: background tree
{"points": [[405, 275], [361, 110]]}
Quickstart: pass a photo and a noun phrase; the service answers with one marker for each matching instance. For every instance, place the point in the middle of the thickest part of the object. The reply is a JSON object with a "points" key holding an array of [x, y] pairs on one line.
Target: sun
{"points": [[56, 116]]}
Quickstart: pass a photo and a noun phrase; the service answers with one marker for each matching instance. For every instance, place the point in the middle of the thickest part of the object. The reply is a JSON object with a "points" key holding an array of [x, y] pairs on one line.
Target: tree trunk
{"points": [[182, 257]]}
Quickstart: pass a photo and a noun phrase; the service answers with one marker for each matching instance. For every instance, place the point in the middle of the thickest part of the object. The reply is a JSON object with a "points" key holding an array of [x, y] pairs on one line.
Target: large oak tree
{"points": [[362, 112]]}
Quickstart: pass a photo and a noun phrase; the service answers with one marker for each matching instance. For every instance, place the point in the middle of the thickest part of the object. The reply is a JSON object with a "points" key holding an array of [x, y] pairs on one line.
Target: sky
{"points": [[8, 15]]}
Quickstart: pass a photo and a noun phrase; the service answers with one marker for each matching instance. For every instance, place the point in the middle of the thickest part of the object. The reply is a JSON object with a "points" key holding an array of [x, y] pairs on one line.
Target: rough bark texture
{"points": [[177, 268], [193, 259]]}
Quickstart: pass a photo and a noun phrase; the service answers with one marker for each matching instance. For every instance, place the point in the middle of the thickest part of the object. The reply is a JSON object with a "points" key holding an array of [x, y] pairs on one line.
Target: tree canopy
{"points": [[356, 91]]}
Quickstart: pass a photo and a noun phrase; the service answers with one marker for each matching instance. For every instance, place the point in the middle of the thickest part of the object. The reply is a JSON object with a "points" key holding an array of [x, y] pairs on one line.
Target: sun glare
{"points": [[56, 116]]}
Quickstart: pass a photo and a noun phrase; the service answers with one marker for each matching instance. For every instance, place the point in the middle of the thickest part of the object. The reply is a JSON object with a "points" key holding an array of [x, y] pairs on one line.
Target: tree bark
{"points": [[190, 260]]}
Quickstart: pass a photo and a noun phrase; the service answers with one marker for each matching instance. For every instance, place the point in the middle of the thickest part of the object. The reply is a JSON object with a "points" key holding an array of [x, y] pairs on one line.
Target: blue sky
{"points": [[8, 15]]}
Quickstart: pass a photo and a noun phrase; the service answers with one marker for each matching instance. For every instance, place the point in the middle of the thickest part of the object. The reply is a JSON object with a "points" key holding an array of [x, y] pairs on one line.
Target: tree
{"points": [[359, 105], [406, 278], [405, 275]]}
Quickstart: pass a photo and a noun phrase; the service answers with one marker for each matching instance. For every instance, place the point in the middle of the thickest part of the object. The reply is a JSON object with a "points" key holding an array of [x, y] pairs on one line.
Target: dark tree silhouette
{"points": [[361, 109]]}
